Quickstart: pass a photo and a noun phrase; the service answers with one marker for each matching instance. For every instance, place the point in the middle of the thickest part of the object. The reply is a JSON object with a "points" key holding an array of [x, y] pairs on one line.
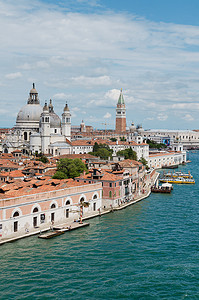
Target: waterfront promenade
{"points": [[136, 198]]}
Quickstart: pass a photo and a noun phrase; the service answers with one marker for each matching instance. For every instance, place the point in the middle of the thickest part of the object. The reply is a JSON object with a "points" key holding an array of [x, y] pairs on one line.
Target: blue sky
{"points": [[84, 51]]}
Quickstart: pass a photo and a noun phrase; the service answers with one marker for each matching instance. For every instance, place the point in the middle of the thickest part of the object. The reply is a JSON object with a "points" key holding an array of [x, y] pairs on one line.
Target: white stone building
{"points": [[165, 158], [188, 138], [37, 128]]}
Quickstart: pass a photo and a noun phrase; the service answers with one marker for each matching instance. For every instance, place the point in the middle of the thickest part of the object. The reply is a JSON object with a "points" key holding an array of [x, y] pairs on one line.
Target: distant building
{"points": [[120, 123], [188, 138], [37, 128]]}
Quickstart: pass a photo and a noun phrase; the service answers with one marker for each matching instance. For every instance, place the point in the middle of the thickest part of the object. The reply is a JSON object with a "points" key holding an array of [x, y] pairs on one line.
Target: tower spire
{"points": [[121, 98]]}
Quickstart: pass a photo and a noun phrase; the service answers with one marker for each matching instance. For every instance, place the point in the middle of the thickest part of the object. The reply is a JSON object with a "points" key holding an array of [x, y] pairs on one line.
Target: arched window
{"points": [[95, 197], [35, 210], [110, 194], [67, 202], [53, 205], [81, 200], [16, 214]]}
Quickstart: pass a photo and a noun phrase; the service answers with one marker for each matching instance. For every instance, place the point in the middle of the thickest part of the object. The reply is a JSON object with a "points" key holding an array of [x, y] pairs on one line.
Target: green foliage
{"points": [[42, 158], [144, 162], [122, 139], [155, 145], [113, 139], [60, 175], [95, 147], [128, 154], [101, 150], [69, 168]]}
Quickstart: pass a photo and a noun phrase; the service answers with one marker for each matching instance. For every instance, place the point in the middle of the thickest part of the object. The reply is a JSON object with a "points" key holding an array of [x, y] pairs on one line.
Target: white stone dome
{"points": [[30, 112], [55, 121]]}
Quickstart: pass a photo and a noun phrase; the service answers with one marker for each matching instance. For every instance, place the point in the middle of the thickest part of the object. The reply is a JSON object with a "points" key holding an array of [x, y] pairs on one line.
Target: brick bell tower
{"points": [[120, 124]]}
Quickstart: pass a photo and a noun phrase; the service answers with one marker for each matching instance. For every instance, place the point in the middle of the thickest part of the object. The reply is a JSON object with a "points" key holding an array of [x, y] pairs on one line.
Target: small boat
{"points": [[178, 180], [165, 188], [51, 234], [178, 174]]}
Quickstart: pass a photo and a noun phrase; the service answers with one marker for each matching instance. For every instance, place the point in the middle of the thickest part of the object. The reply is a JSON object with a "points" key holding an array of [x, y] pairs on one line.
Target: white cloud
{"points": [[92, 81], [107, 115], [76, 109], [13, 75], [162, 117], [61, 96], [71, 53], [36, 65], [188, 118], [149, 119], [112, 94], [3, 111]]}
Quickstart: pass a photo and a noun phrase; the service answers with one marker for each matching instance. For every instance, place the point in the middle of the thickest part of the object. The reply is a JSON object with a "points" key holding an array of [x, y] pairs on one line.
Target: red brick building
{"points": [[120, 125]]}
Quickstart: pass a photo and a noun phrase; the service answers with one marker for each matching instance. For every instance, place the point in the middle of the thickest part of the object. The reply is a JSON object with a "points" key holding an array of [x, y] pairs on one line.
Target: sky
{"points": [[85, 51]]}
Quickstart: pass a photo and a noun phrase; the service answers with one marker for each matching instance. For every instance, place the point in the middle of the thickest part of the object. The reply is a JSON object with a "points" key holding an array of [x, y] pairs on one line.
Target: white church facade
{"points": [[37, 129]]}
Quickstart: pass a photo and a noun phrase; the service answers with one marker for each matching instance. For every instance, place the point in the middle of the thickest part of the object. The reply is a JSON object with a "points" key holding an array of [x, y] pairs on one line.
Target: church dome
{"points": [[55, 121], [30, 112]]}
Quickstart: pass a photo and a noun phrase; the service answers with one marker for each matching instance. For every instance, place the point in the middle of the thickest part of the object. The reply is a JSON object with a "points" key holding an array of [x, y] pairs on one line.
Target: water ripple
{"points": [[147, 251]]}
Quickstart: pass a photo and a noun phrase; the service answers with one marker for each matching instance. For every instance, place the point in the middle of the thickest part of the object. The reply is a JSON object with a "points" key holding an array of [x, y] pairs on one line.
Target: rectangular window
{"points": [[52, 217], [34, 221], [67, 213], [15, 226], [110, 184], [42, 218], [94, 206]]}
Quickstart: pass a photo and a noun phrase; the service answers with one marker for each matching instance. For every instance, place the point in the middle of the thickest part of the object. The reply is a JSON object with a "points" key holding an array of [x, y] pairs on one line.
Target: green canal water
{"points": [[149, 250]]}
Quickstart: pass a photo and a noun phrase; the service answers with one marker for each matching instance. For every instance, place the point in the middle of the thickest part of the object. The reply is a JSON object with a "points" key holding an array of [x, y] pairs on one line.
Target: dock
{"points": [[58, 230]]}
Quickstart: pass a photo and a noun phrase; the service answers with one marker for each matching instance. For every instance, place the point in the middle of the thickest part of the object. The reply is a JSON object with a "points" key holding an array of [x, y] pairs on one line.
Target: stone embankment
{"points": [[137, 197]]}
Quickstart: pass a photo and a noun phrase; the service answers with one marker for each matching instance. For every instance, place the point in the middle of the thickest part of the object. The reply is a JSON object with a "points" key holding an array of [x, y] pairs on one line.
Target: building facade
{"points": [[22, 213], [38, 128], [188, 138]]}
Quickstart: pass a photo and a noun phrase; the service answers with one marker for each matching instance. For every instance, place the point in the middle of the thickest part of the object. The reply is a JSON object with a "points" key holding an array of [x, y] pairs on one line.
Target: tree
{"points": [[144, 162], [101, 150], [132, 154], [113, 139], [69, 168], [122, 139], [42, 158], [95, 147], [155, 145], [60, 175], [128, 154]]}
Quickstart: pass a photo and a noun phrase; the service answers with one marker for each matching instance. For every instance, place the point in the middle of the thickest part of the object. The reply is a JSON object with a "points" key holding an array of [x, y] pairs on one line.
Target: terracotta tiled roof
{"points": [[162, 154], [129, 163], [73, 156], [6, 163], [17, 151], [12, 174], [36, 186]]}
